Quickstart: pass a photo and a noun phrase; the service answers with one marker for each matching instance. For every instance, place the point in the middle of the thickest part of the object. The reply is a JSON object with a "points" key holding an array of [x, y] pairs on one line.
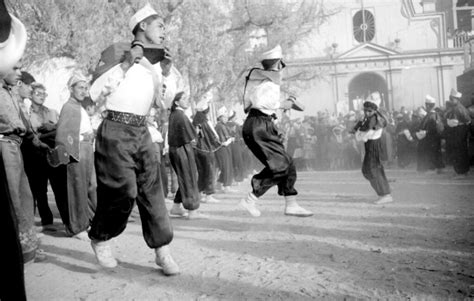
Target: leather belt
{"points": [[126, 118]]}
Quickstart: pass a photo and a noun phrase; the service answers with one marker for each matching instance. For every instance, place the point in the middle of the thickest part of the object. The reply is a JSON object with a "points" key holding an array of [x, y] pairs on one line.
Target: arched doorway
{"points": [[362, 85]]}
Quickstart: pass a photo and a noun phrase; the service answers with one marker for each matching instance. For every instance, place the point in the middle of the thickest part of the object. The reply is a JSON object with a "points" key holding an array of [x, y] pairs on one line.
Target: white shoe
{"points": [[297, 211], [82, 236], [196, 214], [178, 210], [293, 209], [103, 253], [384, 200], [210, 199], [164, 260], [249, 205]]}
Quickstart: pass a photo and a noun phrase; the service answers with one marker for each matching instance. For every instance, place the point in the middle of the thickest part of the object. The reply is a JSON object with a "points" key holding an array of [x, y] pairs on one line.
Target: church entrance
{"points": [[363, 85]]}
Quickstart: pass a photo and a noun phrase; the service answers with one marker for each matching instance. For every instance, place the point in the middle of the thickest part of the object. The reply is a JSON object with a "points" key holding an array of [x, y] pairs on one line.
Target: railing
{"points": [[460, 38]]}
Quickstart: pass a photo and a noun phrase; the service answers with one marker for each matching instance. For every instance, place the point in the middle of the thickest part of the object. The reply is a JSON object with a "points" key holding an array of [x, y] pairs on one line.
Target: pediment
{"points": [[367, 50]]}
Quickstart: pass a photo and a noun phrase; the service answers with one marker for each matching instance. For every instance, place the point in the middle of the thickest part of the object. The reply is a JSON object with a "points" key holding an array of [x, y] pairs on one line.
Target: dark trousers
{"points": [[261, 136], [184, 164], [39, 172], [205, 163], [77, 199], [460, 149], [12, 286], [372, 168], [224, 164], [237, 164], [403, 152], [127, 170], [429, 153]]}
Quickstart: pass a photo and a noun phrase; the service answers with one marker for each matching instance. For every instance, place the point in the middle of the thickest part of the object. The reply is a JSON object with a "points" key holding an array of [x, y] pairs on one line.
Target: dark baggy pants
{"points": [[460, 149], [224, 163], [127, 170], [372, 168], [205, 163], [261, 136], [429, 153], [237, 164], [184, 164], [78, 198], [12, 286], [39, 172]]}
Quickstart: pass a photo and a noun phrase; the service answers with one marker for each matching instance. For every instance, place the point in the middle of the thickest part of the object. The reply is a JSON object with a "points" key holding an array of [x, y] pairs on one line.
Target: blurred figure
{"points": [[404, 141], [429, 136], [370, 130], [457, 118]]}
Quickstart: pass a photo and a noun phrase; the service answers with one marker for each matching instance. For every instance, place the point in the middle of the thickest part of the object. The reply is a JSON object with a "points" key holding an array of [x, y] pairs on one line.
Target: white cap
{"points": [[455, 94], [221, 112], [141, 15], [430, 99], [274, 53], [75, 78], [11, 50]]}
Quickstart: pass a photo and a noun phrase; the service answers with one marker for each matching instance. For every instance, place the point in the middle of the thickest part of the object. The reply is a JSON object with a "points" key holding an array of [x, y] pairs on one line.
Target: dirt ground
{"points": [[421, 247]]}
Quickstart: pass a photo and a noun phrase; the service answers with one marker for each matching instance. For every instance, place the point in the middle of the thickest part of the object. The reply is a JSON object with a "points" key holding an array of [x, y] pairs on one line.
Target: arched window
{"points": [[364, 26]]}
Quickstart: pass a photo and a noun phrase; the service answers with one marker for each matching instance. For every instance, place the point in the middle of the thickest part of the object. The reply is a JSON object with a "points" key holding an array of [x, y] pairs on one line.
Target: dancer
{"points": [[262, 100], [369, 130], [125, 159]]}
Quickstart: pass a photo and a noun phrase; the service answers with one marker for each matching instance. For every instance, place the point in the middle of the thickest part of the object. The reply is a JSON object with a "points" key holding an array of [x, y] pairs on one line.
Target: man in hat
{"points": [[458, 120], [75, 134], [429, 139], [207, 143], [369, 130], [224, 153], [125, 159], [262, 100]]}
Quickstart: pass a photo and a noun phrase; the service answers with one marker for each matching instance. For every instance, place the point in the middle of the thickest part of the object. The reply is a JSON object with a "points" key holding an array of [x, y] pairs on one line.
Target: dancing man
{"points": [[262, 100]]}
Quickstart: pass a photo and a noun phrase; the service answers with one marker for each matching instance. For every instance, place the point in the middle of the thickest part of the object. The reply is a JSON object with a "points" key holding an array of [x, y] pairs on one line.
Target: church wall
{"points": [[390, 24]]}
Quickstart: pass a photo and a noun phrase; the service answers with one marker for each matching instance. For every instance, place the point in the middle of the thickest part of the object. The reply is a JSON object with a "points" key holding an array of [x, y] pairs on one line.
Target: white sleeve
{"points": [[107, 83]]}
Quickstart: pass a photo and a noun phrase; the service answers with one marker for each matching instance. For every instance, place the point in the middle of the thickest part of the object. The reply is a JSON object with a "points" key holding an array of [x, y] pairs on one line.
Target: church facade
{"points": [[399, 48]]}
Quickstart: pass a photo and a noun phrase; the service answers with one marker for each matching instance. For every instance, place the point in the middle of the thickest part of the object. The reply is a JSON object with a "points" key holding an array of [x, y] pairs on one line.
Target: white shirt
{"points": [[156, 136], [265, 97], [86, 126], [133, 91]]}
